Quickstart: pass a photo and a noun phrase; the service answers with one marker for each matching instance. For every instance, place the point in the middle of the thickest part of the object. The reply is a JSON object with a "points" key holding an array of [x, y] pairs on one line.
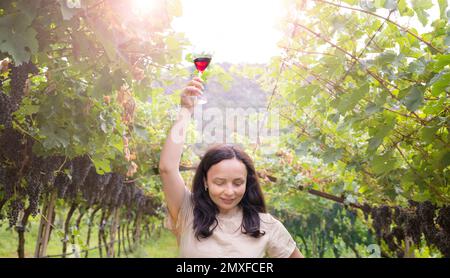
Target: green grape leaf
{"points": [[350, 100], [390, 4], [404, 9], [17, 38], [372, 108], [382, 164], [419, 6], [427, 133], [29, 8], [443, 4], [414, 98], [103, 85], [441, 84], [105, 37], [379, 3], [102, 165], [331, 155], [441, 62], [445, 161], [417, 66], [374, 143]]}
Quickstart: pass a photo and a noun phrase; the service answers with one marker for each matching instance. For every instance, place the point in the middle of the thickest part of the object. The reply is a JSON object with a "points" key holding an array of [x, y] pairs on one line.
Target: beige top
{"points": [[227, 239]]}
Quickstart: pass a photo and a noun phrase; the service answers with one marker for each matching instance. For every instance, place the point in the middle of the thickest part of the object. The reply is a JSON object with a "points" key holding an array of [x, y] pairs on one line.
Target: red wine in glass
{"points": [[201, 63]]}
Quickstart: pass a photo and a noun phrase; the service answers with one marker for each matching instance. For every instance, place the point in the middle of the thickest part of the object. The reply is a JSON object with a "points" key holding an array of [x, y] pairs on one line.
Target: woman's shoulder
{"points": [[268, 219]]}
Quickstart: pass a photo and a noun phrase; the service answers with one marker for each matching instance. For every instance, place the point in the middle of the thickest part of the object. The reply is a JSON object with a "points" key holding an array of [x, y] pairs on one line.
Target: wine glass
{"points": [[201, 61]]}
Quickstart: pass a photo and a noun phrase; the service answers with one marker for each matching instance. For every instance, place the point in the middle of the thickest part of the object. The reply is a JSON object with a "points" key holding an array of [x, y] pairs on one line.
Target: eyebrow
{"points": [[226, 179]]}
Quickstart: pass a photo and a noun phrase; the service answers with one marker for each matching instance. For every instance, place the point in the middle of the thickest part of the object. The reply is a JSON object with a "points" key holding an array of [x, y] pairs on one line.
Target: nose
{"points": [[229, 190]]}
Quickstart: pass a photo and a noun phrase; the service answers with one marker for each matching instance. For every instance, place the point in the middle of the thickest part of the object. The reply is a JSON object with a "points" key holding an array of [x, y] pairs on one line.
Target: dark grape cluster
{"points": [[41, 173], [81, 167], [118, 186], [413, 227], [426, 212], [62, 181], [417, 221], [382, 218], [113, 190], [48, 169], [34, 189], [9, 180], [88, 189], [366, 210], [25, 176], [12, 143], [19, 76], [443, 218], [5, 110], [15, 207], [125, 195], [103, 182], [3, 173]]}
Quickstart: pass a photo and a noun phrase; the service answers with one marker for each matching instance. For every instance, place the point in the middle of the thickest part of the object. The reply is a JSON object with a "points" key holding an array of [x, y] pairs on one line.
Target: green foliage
{"points": [[366, 121]]}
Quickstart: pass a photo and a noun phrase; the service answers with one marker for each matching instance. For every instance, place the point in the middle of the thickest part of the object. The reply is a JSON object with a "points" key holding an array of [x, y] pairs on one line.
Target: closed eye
{"points": [[219, 181]]}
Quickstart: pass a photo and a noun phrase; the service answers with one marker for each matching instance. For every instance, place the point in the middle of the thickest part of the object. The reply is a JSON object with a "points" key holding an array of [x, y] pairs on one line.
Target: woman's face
{"points": [[226, 183]]}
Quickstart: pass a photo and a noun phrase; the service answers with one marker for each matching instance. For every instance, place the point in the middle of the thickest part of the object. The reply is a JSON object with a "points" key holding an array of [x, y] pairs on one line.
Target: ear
{"points": [[205, 184]]}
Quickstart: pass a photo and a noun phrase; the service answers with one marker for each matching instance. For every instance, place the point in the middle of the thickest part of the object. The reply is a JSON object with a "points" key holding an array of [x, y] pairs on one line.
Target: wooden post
{"points": [[41, 228], [91, 221], [137, 227], [124, 239], [77, 223], [105, 242], [128, 237], [21, 232], [112, 233], [100, 230], [72, 209], [119, 240], [41, 246], [409, 248]]}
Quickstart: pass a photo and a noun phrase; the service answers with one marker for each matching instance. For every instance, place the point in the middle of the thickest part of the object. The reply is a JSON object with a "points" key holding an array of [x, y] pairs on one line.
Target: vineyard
{"points": [[88, 92]]}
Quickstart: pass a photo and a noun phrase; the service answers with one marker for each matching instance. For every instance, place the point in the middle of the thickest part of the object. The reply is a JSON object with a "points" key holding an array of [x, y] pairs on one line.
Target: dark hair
{"points": [[205, 210]]}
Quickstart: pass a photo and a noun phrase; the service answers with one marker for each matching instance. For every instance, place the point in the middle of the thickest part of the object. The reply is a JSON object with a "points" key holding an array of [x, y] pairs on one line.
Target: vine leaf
{"points": [[414, 98], [419, 6], [102, 165], [443, 4], [390, 4], [331, 155], [17, 38], [382, 164], [349, 101], [427, 133], [441, 84]]}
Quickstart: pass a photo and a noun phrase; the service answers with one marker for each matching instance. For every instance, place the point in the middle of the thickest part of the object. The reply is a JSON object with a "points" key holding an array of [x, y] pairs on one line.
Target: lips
{"points": [[227, 201]]}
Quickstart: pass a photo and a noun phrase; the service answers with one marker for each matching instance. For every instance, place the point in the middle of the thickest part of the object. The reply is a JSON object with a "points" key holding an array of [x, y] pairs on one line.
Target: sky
{"points": [[235, 31], [244, 31]]}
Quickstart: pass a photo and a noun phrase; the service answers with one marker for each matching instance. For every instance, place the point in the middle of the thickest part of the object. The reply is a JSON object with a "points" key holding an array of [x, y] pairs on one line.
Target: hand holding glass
{"points": [[201, 62]]}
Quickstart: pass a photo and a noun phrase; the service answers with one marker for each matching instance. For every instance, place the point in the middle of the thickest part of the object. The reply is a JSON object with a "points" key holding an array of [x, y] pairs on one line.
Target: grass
{"points": [[163, 245]]}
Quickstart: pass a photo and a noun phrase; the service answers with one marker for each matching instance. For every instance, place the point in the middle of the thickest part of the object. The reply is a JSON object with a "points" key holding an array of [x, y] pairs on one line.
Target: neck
{"points": [[229, 212]]}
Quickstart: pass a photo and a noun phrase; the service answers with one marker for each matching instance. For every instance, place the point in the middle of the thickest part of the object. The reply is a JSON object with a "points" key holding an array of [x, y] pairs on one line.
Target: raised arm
{"points": [[169, 164]]}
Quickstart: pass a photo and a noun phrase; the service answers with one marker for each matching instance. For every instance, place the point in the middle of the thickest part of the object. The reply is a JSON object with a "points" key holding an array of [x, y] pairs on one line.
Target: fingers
{"points": [[197, 83], [198, 79], [192, 91]]}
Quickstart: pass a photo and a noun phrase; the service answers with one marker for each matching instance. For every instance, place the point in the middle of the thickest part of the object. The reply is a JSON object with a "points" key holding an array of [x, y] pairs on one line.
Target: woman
{"points": [[225, 215]]}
